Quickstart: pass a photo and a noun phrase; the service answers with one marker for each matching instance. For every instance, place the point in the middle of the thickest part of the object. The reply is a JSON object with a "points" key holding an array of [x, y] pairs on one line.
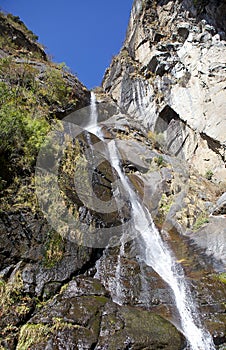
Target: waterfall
{"points": [[119, 296], [92, 125], [116, 286], [156, 254]]}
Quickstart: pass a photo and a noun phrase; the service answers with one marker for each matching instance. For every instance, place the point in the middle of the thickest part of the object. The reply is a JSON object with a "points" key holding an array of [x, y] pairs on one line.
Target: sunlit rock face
{"points": [[170, 76]]}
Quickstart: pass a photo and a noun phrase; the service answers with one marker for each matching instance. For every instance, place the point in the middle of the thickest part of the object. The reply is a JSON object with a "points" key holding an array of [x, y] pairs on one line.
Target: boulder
{"points": [[83, 317]]}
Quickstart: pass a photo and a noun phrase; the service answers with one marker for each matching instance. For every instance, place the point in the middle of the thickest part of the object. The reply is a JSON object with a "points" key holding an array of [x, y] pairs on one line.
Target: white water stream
{"points": [[155, 253], [92, 125]]}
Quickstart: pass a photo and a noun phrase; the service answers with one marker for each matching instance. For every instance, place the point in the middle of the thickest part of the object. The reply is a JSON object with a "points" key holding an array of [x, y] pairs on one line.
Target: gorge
{"points": [[113, 225]]}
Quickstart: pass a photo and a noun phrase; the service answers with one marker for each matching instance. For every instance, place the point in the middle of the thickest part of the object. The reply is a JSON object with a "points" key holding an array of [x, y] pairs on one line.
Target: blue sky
{"points": [[84, 34]]}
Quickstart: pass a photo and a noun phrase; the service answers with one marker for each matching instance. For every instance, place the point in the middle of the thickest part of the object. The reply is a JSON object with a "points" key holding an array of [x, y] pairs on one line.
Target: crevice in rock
{"points": [[88, 266], [142, 43], [165, 116], [181, 147], [214, 145]]}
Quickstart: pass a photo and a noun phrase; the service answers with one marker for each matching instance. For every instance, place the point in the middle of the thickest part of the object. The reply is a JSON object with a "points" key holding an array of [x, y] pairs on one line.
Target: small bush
{"points": [[16, 21], [159, 160], [26, 105], [209, 174], [222, 277], [200, 221]]}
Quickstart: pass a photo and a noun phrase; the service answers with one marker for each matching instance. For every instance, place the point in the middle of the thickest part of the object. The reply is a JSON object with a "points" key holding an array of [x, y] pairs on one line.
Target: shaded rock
{"points": [[87, 319], [127, 327], [212, 238], [178, 72], [220, 208], [183, 31], [45, 256]]}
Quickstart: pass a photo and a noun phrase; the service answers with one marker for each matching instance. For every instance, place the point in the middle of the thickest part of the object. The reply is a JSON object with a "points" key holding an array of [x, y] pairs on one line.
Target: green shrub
{"points": [[222, 277], [27, 106], [16, 21], [200, 221], [55, 89], [209, 174], [21, 132]]}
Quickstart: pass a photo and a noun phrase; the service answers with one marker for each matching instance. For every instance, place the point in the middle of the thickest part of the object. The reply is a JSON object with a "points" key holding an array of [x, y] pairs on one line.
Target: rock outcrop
{"points": [[83, 317], [78, 285], [170, 76]]}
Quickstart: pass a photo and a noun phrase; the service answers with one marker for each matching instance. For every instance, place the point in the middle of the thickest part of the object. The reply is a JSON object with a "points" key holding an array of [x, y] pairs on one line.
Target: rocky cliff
{"points": [[170, 76], [162, 102]]}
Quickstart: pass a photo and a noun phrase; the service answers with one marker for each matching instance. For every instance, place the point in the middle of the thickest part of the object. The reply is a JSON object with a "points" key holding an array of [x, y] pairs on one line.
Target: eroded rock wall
{"points": [[170, 76]]}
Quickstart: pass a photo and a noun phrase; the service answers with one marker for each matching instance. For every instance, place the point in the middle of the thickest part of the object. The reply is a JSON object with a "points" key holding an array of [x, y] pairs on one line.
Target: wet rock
{"points": [[44, 255], [207, 290], [85, 318], [130, 281], [127, 327], [84, 286]]}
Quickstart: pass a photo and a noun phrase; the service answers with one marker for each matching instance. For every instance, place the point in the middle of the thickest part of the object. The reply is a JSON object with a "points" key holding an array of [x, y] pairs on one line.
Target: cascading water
{"points": [[119, 297], [155, 253], [93, 127], [92, 124]]}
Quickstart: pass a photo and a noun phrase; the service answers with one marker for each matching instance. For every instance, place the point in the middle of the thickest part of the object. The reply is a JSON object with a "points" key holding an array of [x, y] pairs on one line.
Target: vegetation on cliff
{"points": [[33, 92]]}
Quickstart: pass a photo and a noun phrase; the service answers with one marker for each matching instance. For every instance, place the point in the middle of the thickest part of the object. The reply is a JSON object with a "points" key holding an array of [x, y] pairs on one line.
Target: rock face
{"points": [[221, 205], [83, 317], [163, 105], [13, 30], [20, 44], [170, 76]]}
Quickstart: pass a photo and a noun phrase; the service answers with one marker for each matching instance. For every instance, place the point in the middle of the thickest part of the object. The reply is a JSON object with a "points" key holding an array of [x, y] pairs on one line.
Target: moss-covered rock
{"points": [[128, 327], [83, 315]]}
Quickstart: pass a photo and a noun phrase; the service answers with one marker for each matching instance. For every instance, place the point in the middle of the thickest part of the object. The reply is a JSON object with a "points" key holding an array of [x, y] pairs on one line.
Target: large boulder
{"points": [[83, 317]]}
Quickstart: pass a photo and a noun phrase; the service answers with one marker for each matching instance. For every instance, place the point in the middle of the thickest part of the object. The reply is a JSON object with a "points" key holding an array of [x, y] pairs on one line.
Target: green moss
{"points": [[200, 221], [54, 249], [222, 277], [10, 292], [60, 324], [165, 204], [34, 334], [31, 334], [64, 288], [101, 299]]}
